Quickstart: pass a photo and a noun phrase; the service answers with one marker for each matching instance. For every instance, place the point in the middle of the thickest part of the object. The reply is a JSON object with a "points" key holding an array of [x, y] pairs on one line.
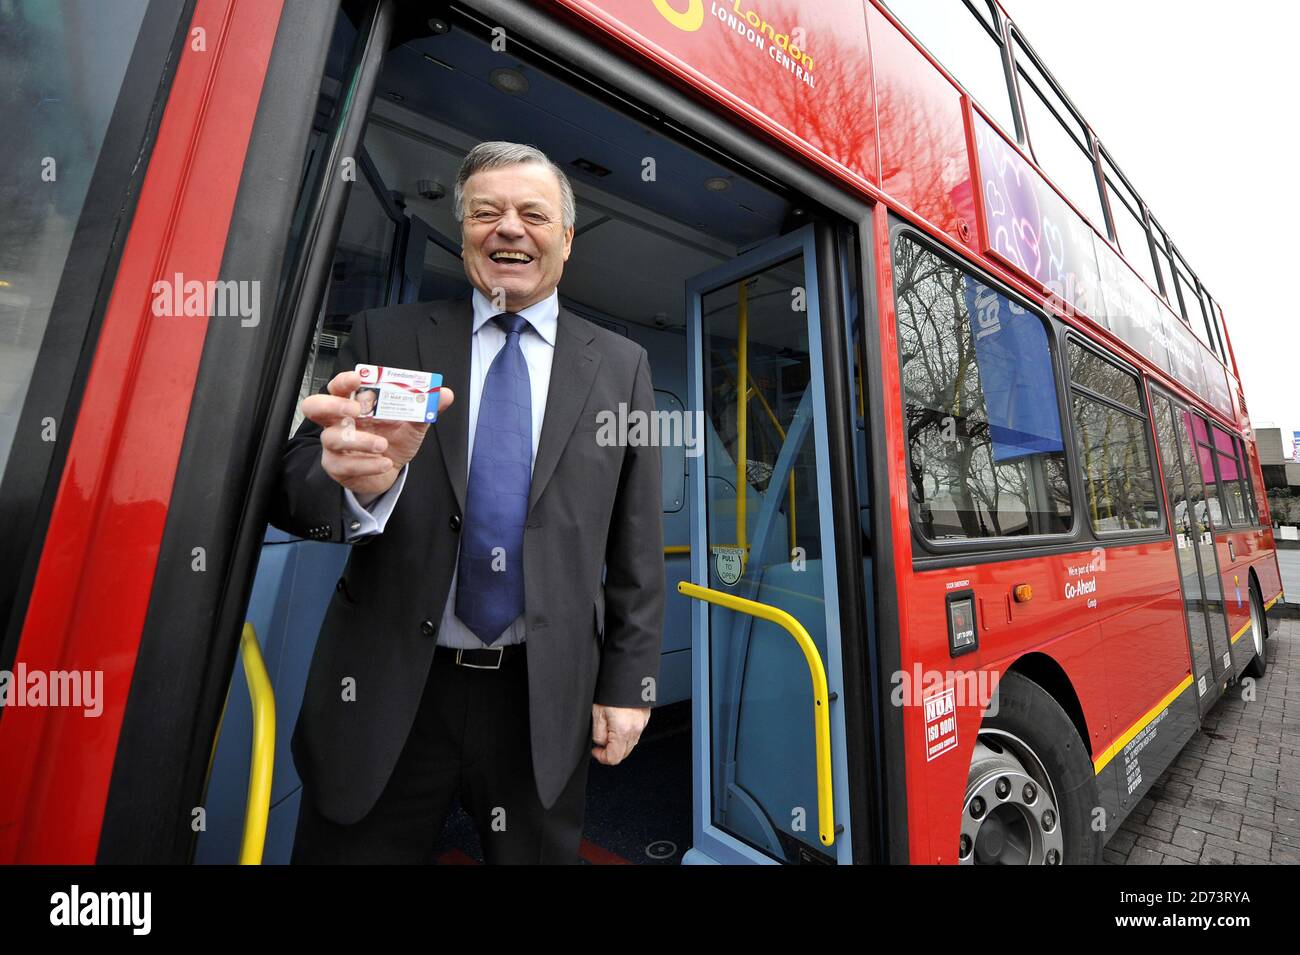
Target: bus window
{"points": [[64, 65], [1057, 138], [966, 41], [1205, 459], [1247, 483], [1192, 304], [985, 451], [1211, 320], [1130, 229], [1230, 472], [1164, 265], [1118, 480]]}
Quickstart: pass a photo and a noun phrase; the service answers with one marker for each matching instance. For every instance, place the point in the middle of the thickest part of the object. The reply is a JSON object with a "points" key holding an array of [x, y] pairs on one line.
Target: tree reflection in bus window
{"points": [[965, 39], [1119, 488], [1091, 371], [1118, 479], [985, 451]]}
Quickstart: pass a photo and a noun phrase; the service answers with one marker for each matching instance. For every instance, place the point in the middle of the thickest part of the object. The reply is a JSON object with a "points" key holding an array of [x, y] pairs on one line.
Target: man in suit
{"points": [[498, 622]]}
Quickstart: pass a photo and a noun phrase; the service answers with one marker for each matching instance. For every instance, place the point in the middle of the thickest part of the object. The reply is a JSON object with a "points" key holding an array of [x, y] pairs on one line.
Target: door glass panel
{"points": [[1182, 518], [765, 544], [1200, 491], [359, 279], [63, 66]]}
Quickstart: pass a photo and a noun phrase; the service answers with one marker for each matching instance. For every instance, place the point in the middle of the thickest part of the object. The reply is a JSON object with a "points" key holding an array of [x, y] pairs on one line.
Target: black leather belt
{"points": [[482, 658]]}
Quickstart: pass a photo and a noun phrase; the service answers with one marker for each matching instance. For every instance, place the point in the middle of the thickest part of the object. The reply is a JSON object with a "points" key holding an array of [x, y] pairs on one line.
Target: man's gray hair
{"points": [[492, 155]]}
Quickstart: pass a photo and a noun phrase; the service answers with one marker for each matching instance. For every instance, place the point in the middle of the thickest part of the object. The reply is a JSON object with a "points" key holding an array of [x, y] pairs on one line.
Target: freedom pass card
{"points": [[398, 394]]}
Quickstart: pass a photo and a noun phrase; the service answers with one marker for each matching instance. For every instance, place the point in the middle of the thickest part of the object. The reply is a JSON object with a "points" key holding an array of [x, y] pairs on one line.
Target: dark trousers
{"points": [[470, 739]]}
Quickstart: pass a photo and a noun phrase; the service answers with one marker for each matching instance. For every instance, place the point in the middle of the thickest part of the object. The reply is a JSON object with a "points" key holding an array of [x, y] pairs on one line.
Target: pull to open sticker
{"points": [[729, 563]]}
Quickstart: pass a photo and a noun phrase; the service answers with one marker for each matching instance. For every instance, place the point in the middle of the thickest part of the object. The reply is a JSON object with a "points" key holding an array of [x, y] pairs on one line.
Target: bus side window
{"points": [[1111, 429], [1230, 475], [984, 440]]}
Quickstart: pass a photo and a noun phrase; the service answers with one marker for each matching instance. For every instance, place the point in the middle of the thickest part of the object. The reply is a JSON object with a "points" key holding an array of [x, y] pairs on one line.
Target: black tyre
{"points": [[1031, 793], [1258, 665]]}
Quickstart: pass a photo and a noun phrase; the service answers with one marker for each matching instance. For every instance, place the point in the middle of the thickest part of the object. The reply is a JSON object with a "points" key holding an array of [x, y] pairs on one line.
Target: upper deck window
{"points": [[1130, 227], [963, 36], [984, 443], [1191, 298], [1212, 320], [1217, 314], [1057, 138], [1165, 265]]}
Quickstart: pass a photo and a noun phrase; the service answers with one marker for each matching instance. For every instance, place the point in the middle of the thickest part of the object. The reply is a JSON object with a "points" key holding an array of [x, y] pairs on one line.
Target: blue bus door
{"points": [[768, 748]]}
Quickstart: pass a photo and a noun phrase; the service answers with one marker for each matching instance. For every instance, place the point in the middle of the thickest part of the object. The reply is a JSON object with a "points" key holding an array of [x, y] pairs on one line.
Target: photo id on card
{"points": [[398, 394]]}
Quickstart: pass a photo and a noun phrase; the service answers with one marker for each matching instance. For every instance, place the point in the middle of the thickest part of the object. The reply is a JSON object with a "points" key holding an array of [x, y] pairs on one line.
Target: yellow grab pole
{"points": [[820, 691], [261, 768]]}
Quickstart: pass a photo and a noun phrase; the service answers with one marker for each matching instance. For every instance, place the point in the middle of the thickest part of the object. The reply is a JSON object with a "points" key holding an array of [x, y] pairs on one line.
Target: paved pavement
{"points": [[1233, 793], [1289, 562]]}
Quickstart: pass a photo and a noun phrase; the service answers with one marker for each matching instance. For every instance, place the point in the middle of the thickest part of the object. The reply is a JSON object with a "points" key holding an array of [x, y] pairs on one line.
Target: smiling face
{"points": [[513, 234]]}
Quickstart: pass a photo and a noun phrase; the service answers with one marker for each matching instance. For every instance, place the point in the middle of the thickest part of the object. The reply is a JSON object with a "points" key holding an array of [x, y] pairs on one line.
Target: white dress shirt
{"points": [[537, 342]]}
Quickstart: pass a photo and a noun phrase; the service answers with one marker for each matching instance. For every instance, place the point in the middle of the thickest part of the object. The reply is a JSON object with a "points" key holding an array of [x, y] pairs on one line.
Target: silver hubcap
{"points": [[1010, 815]]}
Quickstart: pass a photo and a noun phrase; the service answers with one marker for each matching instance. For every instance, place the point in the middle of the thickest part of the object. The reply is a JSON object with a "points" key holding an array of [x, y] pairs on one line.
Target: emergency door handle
{"points": [[820, 691]]}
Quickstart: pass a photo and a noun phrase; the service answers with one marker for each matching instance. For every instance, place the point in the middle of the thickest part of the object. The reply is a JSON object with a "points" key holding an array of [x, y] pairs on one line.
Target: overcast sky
{"points": [[1196, 102]]}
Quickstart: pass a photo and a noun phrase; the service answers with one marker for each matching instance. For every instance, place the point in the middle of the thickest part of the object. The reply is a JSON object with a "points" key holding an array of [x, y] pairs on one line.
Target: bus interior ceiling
{"points": [[651, 213]]}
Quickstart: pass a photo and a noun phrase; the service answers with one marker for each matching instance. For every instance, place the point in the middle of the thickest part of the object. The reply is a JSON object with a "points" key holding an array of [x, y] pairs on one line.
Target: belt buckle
{"points": [[500, 651]]}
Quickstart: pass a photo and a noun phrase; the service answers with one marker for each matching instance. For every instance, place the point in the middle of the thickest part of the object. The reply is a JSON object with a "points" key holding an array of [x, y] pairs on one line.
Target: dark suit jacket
{"points": [[591, 508]]}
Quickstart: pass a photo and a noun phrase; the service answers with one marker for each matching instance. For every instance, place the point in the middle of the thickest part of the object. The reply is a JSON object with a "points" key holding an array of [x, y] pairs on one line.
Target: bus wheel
{"points": [[1031, 791], [1259, 664]]}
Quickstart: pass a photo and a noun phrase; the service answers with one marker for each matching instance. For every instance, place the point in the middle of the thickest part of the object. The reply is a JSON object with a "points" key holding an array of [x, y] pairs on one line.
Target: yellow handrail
{"points": [[261, 768], [821, 693]]}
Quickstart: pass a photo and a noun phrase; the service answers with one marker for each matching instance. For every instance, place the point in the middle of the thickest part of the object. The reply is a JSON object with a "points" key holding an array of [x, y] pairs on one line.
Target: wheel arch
{"points": [[1259, 595], [1051, 676]]}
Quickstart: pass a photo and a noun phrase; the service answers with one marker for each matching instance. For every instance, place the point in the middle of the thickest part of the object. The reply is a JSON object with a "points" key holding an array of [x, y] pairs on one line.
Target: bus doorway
{"points": [[766, 664], [660, 223]]}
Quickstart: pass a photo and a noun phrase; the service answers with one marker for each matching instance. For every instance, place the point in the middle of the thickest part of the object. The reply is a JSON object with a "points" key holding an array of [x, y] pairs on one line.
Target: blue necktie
{"points": [[490, 574]]}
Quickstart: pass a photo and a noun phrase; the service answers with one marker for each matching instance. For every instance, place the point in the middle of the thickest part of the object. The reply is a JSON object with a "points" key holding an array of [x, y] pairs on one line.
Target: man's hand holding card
{"points": [[373, 421]]}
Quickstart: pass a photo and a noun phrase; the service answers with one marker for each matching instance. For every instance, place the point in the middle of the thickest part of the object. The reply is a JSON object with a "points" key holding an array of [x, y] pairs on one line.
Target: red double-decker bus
{"points": [[964, 517]]}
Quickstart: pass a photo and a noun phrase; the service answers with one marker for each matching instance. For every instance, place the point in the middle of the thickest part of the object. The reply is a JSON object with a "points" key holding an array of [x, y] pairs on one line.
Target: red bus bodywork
{"points": [[1125, 657], [880, 116]]}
